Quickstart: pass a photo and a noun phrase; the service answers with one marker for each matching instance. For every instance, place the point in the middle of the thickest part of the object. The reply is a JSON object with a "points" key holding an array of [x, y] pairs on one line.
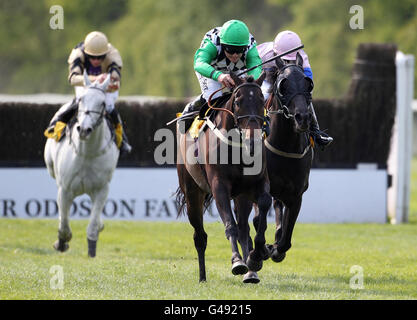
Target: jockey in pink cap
{"points": [[284, 41]]}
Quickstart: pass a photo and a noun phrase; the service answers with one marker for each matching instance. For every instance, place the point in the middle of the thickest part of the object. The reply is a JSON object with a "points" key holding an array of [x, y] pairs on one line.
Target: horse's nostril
{"points": [[78, 128], [298, 117], [89, 130]]}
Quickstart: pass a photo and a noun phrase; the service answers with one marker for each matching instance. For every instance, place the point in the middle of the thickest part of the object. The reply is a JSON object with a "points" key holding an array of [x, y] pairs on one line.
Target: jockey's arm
{"points": [[76, 68], [202, 59], [115, 75], [253, 59]]}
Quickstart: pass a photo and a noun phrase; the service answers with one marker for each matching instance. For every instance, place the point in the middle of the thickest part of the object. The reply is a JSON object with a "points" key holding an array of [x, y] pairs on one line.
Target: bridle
{"points": [[282, 107], [100, 113], [95, 125], [237, 119]]}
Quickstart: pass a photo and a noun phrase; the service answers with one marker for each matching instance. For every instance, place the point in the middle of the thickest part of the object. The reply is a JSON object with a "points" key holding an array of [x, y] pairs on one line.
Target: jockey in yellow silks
{"points": [[98, 58]]}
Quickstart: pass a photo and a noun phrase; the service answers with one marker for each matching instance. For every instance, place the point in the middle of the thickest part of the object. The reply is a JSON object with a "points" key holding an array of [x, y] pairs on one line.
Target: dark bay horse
{"points": [[209, 167], [289, 149]]}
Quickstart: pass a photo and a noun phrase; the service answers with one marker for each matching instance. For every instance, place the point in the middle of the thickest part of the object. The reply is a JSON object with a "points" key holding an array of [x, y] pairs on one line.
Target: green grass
{"points": [[140, 260]]}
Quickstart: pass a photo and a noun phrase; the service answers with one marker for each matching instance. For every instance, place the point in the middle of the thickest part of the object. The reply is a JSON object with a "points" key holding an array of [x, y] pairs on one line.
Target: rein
{"points": [[283, 109], [96, 124], [213, 127], [236, 119]]}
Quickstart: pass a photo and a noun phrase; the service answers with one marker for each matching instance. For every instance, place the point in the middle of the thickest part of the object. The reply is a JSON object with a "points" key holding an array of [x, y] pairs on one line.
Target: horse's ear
{"points": [[299, 60], [87, 81], [236, 79], [279, 63], [261, 78], [105, 83]]}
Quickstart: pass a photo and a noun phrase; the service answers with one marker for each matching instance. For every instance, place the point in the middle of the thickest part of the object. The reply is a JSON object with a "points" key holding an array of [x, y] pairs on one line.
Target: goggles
{"points": [[96, 57], [234, 49]]}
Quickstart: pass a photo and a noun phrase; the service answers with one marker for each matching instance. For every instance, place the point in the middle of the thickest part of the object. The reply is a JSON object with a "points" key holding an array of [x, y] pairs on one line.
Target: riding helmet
{"points": [[234, 33], [96, 44]]}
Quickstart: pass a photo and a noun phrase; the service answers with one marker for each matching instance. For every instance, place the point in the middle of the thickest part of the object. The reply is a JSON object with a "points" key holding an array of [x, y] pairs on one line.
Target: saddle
{"points": [[199, 124]]}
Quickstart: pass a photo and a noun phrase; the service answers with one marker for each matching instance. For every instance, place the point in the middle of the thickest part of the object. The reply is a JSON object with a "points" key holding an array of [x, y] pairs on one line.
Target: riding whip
{"points": [[271, 59]]}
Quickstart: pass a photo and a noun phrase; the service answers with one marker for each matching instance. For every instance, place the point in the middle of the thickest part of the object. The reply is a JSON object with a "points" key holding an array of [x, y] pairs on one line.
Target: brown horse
{"points": [[289, 150], [210, 168]]}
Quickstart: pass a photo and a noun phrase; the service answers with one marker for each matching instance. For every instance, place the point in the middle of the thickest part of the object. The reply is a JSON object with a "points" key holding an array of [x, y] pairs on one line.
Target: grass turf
{"points": [[141, 260]]}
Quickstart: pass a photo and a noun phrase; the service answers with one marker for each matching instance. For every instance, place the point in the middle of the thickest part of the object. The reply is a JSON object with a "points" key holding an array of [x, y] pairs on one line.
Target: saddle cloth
{"points": [[61, 129]]}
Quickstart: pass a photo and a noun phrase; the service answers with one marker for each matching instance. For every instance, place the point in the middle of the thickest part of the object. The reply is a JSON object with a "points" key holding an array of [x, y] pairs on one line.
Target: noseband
{"points": [[252, 117]]}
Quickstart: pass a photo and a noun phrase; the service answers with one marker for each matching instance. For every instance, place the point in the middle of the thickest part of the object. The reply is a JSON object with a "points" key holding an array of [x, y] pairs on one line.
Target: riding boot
{"points": [[63, 115], [121, 138], [59, 121], [320, 137], [194, 105]]}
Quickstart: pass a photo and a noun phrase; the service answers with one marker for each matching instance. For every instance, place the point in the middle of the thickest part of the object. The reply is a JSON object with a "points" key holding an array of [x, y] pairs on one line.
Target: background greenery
{"points": [[158, 38]]}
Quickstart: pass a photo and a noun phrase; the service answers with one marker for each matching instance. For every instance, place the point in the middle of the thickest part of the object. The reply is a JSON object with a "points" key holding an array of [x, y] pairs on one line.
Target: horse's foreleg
{"points": [[96, 225], [279, 209], [279, 216], [260, 252], [243, 208], [222, 196], [64, 201], [290, 217]]}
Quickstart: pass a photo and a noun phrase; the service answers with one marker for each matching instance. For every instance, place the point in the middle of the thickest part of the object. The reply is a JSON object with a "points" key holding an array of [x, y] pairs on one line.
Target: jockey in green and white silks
{"points": [[224, 49]]}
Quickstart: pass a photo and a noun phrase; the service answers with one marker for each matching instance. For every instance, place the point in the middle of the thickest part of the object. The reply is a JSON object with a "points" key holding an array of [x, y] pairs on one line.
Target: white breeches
{"points": [[266, 86], [208, 86]]}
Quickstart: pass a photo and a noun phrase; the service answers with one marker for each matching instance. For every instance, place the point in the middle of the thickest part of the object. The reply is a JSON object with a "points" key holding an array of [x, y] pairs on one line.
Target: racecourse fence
{"points": [[361, 121]]}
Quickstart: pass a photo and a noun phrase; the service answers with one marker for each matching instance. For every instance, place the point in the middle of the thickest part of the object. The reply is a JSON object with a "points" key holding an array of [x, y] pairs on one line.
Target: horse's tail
{"points": [[180, 202], [207, 201]]}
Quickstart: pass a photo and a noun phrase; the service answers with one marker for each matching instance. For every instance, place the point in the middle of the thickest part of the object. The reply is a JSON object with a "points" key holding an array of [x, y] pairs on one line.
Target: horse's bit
{"points": [[252, 117]]}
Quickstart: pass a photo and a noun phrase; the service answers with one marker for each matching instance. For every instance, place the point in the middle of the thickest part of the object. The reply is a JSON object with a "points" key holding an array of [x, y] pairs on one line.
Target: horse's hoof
{"points": [[254, 265], [251, 277], [239, 267], [276, 256], [267, 253], [61, 245], [92, 246]]}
